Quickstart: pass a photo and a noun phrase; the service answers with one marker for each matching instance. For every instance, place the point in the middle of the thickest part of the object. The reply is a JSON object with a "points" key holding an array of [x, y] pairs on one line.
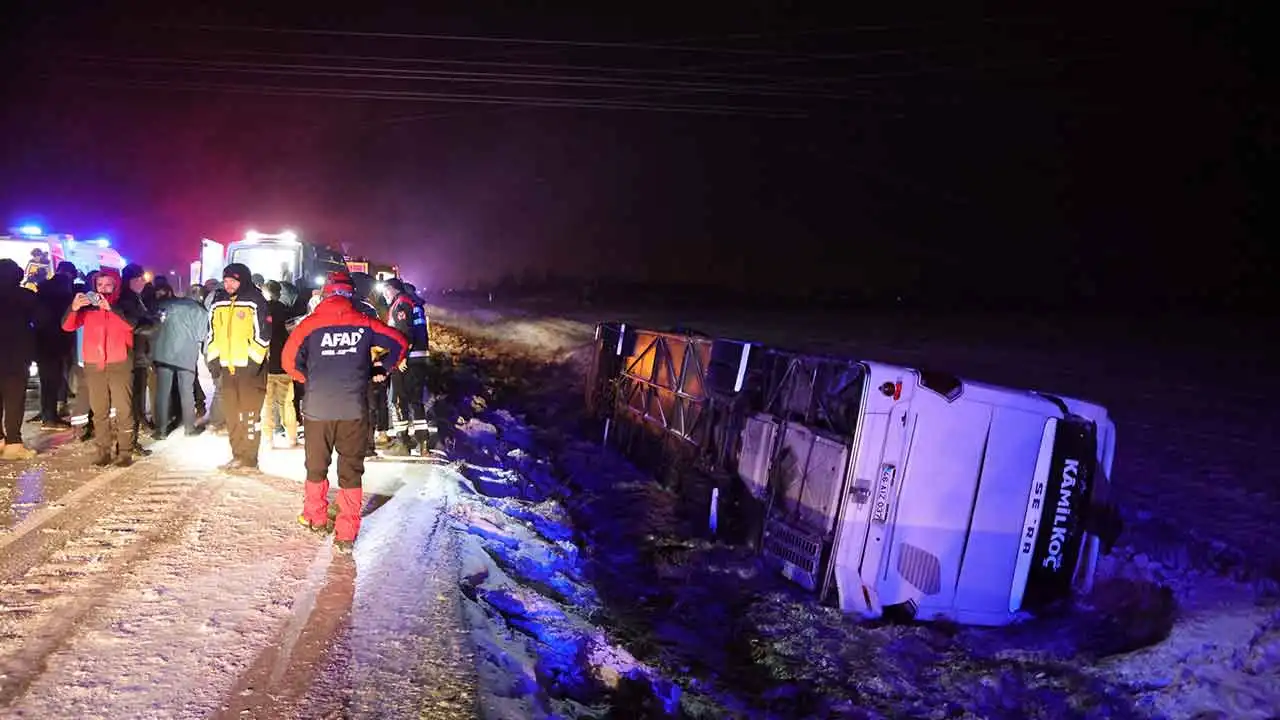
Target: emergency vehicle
{"points": [[377, 271], [23, 245], [913, 492], [283, 257]]}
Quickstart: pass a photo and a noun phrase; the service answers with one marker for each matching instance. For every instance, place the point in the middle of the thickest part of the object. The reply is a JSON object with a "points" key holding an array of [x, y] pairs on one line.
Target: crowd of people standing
{"points": [[116, 352]]}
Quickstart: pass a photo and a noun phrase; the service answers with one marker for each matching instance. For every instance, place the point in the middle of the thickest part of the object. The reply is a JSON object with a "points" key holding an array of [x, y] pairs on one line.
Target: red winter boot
{"points": [[350, 500], [315, 505]]}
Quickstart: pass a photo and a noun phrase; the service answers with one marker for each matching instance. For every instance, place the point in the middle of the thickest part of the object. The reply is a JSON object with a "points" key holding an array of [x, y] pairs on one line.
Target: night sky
{"points": [[757, 147]]}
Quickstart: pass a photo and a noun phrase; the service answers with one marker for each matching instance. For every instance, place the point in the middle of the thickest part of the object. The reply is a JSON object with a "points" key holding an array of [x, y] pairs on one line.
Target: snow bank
{"points": [[542, 650]]}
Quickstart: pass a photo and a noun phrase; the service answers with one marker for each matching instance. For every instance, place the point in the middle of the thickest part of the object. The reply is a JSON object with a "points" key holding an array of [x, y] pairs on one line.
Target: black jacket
{"points": [[17, 327], [280, 315], [52, 301], [410, 320], [145, 325]]}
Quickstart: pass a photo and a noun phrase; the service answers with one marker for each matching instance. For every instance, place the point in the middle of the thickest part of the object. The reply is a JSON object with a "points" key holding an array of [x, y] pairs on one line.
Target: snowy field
{"points": [[1197, 477]]}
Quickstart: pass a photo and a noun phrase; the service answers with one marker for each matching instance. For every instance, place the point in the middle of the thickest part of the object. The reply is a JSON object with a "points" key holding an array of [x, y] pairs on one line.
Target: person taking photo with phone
{"points": [[108, 365]]}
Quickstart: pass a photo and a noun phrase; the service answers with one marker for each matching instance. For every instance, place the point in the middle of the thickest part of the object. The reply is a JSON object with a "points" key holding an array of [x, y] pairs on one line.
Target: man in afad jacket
{"points": [[108, 365], [330, 352], [239, 339]]}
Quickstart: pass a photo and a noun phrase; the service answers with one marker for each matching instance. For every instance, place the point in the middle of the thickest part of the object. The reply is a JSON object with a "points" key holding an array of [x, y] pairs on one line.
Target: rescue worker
{"points": [[17, 327], [330, 353], [409, 426], [376, 407], [108, 365], [239, 340]]}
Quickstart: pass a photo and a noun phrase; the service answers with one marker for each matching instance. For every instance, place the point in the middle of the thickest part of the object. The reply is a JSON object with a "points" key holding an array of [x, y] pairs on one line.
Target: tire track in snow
{"points": [[407, 651], [285, 669], [378, 634], [41, 532], [61, 592]]}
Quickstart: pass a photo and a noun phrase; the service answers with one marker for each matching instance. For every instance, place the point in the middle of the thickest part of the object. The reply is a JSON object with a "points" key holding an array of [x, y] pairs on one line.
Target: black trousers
{"points": [[52, 369], [242, 396], [13, 400], [407, 388], [348, 438], [143, 386], [377, 415]]}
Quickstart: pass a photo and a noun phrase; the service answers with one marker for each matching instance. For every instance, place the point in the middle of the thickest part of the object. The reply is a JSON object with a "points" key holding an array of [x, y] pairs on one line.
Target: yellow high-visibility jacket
{"points": [[239, 330]]}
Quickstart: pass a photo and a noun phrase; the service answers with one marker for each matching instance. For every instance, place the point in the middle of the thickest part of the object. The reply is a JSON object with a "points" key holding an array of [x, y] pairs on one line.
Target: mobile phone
{"points": [[93, 297]]}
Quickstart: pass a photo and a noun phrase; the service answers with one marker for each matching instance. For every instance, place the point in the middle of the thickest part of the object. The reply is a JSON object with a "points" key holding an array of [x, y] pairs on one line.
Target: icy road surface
{"points": [[172, 590]]}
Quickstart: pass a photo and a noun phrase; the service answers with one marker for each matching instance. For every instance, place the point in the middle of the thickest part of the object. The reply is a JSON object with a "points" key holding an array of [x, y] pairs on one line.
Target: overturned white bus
{"points": [[910, 493]]}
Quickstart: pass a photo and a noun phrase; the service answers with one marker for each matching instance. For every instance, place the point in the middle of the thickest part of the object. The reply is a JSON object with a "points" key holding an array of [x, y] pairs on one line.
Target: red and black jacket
{"points": [[330, 351], [108, 335], [410, 320]]}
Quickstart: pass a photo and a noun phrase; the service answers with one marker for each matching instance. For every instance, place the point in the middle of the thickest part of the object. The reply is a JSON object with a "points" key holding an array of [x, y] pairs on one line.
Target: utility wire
{"points": [[353, 72], [586, 80], [511, 40], [674, 45], [462, 98], [680, 72]]}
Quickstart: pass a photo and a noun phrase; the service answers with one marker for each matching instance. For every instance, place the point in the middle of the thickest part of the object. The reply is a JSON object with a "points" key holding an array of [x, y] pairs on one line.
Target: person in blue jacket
{"points": [[330, 352]]}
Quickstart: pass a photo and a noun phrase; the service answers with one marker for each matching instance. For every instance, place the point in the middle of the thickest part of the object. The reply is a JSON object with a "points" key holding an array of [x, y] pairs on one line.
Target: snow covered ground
{"points": [[1185, 622], [170, 590]]}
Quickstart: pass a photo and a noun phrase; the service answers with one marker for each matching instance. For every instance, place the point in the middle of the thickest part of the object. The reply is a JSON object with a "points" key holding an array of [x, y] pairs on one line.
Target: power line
{"points": [[684, 71], [460, 98], [510, 40], [583, 80], [371, 73], [684, 45]]}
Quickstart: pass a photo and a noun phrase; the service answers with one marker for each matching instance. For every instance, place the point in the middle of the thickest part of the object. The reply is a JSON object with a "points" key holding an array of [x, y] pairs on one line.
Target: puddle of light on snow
{"points": [[30, 494]]}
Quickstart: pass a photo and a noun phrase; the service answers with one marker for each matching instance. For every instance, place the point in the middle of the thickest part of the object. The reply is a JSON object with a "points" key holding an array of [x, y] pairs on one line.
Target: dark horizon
{"points": [[1014, 154]]}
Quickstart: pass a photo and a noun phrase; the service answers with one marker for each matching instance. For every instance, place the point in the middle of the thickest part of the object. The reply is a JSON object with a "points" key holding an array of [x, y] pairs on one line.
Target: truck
{"points": [[378, 271], [907, 493], [40, 252], [284, 257]]}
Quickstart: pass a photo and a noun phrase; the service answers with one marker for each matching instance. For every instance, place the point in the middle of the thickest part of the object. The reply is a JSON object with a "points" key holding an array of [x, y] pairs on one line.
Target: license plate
{"points": [[880, 512]]}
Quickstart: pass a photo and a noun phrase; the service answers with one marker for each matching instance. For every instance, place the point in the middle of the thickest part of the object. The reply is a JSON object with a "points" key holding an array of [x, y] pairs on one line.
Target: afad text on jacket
{"points": [[330, 351]]}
